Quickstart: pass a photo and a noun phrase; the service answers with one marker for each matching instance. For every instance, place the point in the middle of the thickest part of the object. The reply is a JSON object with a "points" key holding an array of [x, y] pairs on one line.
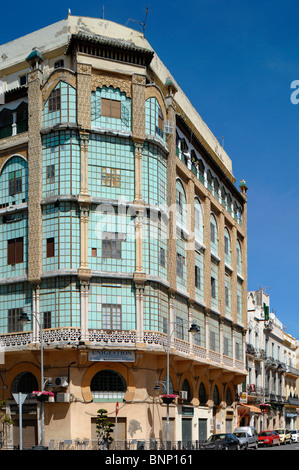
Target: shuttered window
{"points": [[111, 108], [15, 248], [50, 247]]}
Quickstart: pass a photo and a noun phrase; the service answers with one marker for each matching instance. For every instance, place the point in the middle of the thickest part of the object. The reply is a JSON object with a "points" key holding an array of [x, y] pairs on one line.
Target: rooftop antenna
{"points": [[147, 11], [103, 12]]}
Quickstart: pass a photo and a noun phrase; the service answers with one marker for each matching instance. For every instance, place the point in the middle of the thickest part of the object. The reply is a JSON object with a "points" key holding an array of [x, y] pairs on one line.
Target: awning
{"points": [[249, 409]]}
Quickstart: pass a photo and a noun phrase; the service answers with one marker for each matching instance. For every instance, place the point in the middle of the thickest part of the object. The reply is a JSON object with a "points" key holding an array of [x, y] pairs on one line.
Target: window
{"points": [[197, 277], [213, 232], [111, 177], [162, 257], [50, 173], [13, 320], [15, 248], [94, 252], [160, 128], [111, 316], [180, 261], [111, 244], [50, 247], [47, 320], [179, 328], [23, 79], [15, 182], [108, 385], [213, 288], [111, 108], [54, 101], [59, 64]]}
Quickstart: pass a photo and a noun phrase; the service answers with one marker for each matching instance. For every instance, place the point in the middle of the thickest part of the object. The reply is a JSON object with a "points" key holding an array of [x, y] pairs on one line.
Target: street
{"points": [[294, 446]]}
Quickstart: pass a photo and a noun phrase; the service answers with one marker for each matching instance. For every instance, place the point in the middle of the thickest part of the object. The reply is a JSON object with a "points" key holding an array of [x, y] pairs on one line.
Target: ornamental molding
{"points": [[98, 80], [54, 78]]}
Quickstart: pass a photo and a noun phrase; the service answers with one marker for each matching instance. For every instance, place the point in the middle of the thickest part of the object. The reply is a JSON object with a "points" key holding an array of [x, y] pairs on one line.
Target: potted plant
{"points": [[42, 395], [168, 398], [104, 430]]}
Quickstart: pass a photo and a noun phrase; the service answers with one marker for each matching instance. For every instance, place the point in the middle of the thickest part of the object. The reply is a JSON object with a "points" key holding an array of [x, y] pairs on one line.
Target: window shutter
{"points": [[115, 109], [10, 252], [19, 249], [50, 247]]}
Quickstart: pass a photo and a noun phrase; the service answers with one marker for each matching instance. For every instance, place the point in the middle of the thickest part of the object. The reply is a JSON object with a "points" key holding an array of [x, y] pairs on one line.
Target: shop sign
{"points": [[111, 356], [244, 397]]}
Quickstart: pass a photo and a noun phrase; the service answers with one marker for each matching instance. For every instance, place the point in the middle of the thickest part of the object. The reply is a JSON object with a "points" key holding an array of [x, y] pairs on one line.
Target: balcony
{"points": [[128, 339]]}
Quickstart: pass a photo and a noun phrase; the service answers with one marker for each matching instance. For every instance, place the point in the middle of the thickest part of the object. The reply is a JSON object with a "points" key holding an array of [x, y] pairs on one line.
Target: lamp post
{"points": [[193, 330], [25, 319]]}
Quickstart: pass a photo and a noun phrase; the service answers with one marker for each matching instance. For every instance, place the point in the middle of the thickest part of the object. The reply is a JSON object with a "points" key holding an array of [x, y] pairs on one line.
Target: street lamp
{"points": [[193, 330], [25, 319]]}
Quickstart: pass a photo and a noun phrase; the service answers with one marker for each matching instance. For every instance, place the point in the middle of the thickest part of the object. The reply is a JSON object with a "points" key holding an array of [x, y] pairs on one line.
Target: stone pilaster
{"points": [[84, 95], [207, 253], [171, 194], [35, 176]]}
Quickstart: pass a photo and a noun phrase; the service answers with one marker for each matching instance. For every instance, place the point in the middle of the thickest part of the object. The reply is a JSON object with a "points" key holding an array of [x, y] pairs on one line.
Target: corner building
{"points": [[121, 226]]}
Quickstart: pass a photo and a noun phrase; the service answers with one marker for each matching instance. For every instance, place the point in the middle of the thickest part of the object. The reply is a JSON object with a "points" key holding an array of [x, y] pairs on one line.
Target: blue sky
{"points": [[235, 60]]}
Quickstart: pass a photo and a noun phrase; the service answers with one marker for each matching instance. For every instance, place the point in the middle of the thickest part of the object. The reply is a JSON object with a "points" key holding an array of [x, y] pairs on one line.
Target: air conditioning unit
{"points": [[183, 395], [63, 397], [60, 381], [48, 381]]}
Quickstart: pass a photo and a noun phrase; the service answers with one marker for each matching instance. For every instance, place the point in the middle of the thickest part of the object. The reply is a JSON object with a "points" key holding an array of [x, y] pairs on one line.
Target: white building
{"points": [[270, 400]]}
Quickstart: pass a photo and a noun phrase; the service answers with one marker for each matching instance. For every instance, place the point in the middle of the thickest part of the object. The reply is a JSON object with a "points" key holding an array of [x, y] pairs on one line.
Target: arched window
{"points": [[14, 181], [61, 105], [202, 396], [164, 386], [186, 388], [214, 235], [180, 204], [239, 258], [198, 221], [108, 385], [25, 382], [228, 397], [216, 397], [227, 247]]}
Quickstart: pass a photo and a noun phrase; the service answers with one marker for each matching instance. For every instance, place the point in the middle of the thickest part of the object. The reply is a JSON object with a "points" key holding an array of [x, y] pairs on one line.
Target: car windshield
{"points": [[216, 437], [240, 434], [265, 433], [280, 431]]}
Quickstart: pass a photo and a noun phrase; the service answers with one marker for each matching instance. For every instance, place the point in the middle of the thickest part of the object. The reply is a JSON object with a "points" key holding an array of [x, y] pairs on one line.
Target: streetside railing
{"points": [[132, 445]]}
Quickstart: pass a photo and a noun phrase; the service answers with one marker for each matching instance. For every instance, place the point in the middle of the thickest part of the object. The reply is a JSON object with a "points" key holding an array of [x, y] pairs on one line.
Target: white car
{"points": [[295, 435]]}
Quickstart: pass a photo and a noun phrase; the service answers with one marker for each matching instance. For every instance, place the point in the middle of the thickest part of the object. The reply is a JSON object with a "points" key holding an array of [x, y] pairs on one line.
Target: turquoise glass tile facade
{"points": [[12, 230], [14, 181], [214, 277], [61, 297], [112, 303], [98, 120], [14, 296], [118, 226], [152, 113], [61, 163], [154, 180], [181, 319], [62, 223], [155, 304], [111, 153], [155, 232], [64, 107], [199, 284]]}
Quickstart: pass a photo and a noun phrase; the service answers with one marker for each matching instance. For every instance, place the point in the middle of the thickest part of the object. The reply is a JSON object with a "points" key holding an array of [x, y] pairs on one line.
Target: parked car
{"points": [[295, 435], [269, 438], [285, 436], [223, 441], [247, 435]]}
